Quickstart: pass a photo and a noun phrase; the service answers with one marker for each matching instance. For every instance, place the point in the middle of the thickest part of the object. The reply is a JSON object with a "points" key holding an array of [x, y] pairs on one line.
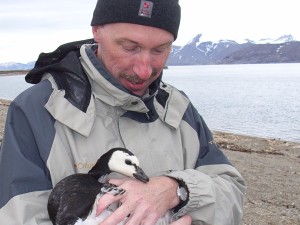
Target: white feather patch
{"points": [[93, 220]]}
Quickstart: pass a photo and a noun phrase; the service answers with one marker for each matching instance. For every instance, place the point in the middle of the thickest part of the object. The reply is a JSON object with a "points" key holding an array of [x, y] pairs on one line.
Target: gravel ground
{"points": [[270, 167], [3, 110]]}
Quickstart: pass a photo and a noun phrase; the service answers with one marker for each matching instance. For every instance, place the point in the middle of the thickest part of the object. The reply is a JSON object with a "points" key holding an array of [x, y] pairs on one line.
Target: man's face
{"points": [[134, 54]]}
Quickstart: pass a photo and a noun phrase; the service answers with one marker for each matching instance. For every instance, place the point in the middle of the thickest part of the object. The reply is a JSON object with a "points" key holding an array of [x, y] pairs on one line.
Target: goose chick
{"points": [[72, 198]]}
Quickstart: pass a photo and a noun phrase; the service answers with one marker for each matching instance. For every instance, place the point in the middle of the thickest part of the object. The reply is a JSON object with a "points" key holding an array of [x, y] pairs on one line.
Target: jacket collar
{"points": [[107, 89], [168, 102]]}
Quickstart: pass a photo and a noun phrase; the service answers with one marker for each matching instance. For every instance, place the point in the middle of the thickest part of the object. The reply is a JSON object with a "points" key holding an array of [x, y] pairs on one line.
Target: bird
{"points": [[73, 200]]}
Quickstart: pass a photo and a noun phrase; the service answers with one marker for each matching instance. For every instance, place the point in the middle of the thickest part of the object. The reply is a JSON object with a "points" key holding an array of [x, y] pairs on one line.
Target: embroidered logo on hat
{"points": [[146, 8]]}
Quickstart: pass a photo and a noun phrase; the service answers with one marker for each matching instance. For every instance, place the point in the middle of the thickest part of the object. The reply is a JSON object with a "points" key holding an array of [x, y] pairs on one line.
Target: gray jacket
{"points": [[77, 111]]}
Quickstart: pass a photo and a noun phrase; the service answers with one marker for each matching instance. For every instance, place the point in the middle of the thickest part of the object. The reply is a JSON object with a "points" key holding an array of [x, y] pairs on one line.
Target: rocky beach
{"points": [[270, 167]]}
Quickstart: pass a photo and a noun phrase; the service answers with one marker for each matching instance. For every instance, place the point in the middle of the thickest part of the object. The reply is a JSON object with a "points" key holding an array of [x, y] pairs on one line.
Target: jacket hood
{"points": [[65, 66], [54, 61]]}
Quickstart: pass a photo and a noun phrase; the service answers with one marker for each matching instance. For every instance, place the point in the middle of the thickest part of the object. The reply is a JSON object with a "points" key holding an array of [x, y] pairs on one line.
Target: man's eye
{"points": [[131, 48], [161, 50]]}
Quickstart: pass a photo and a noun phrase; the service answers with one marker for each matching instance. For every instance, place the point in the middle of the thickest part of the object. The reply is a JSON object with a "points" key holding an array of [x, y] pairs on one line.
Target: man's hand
{"points": [[144, 203]]}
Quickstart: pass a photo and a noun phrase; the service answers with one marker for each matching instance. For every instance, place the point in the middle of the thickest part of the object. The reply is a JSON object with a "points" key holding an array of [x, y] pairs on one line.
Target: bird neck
{"points": [[99, 169]]}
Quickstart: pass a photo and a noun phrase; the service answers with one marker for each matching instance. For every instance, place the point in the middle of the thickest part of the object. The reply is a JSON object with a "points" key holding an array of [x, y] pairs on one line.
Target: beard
{"points": [[134, 78]]}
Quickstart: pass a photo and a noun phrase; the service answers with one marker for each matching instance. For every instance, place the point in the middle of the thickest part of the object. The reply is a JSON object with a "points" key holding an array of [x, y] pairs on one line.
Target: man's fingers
{"points": [[141, 216], [119, 215], [105, 201], [185, 220]]}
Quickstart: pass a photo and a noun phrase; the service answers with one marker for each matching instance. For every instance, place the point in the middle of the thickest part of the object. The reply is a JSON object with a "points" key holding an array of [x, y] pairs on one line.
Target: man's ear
{"points": [[96, 32]]}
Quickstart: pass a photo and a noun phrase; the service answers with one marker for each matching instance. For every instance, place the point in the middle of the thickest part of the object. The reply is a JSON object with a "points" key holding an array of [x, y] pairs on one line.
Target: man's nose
{"points": [[142, 66]]}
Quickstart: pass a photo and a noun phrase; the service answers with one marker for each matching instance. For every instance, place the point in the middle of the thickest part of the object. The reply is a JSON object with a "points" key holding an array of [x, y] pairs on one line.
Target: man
{"points": [[92, 97]]}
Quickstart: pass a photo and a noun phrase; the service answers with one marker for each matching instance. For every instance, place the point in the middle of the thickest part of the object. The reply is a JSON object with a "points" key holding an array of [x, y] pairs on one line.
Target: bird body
{"points": [[92, 219], [72, 199]]}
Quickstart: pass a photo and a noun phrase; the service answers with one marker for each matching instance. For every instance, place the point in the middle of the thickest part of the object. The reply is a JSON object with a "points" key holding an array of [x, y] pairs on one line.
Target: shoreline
{"points": [[226, 140], [13, 72], [270, 167], [220, 134]]}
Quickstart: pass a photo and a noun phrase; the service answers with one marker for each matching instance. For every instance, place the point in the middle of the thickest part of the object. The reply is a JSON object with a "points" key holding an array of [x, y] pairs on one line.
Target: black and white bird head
{"points": [[119, 160]]}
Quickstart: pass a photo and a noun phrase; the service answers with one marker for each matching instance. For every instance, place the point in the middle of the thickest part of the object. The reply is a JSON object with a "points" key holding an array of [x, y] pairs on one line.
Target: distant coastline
{"points": [[197, 52], [13, 72]]}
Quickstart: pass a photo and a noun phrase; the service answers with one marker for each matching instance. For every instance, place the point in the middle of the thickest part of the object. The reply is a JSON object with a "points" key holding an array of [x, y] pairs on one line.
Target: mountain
{"points": [[196, 52], [282, 39], [16, 66], [288, 52], [281, 50]]}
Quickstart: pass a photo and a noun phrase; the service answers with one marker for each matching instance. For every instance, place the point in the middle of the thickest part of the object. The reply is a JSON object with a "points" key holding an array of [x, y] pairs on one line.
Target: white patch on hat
{"points": [[146, 8]]}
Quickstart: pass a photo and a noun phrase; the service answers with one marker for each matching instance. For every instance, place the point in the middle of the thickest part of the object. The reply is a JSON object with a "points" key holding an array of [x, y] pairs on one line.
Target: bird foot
{"points": [[112, 189]]}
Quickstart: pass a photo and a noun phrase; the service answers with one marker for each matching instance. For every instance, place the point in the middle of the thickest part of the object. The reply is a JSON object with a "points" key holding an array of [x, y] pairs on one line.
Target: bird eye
{"points": [[128, 162]]}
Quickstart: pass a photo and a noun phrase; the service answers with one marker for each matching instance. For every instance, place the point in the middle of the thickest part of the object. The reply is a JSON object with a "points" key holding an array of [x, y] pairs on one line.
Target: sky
{"points": [[30, 27]]}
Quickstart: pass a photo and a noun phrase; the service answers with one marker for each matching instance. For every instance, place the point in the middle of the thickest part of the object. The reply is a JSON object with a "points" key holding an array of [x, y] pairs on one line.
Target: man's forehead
{"points": [[136, 32]]}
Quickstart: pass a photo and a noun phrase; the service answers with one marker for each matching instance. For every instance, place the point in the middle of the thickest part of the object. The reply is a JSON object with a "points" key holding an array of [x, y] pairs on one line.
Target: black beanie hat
{"points": [[163, 14]]}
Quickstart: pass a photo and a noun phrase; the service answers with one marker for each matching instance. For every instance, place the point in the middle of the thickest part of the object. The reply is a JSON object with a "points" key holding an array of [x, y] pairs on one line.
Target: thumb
{"points": [[116, 182], [185, 220]]}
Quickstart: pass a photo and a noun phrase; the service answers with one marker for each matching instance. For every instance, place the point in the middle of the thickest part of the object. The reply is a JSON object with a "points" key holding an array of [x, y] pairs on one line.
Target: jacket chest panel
{"points": [[157, 146]]}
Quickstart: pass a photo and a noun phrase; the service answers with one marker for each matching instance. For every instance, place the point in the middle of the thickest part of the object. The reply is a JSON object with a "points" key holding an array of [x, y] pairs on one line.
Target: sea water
{"points": [[260, 100], [255, 99]]}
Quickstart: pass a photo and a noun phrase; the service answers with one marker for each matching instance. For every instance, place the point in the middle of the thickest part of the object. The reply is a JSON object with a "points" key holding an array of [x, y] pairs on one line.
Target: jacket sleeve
{"points": [[216, 188], [25, 180]]}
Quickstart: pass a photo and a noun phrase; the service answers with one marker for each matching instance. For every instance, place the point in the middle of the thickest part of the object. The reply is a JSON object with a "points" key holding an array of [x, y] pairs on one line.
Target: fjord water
{"points": [[259, 100], [11, 86]]}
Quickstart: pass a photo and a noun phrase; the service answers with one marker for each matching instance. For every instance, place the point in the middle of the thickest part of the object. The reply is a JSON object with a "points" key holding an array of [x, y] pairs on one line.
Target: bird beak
{"points": [[140, 175]]}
